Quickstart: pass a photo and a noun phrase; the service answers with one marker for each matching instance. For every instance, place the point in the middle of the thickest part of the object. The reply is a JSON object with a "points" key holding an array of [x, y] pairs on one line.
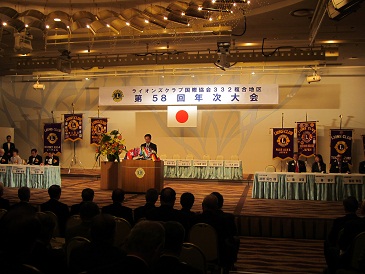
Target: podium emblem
{"points": [[140, 172]]}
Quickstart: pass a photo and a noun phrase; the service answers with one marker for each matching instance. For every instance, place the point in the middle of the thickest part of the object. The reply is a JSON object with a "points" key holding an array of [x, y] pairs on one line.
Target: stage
{"points": [[286, 234]]}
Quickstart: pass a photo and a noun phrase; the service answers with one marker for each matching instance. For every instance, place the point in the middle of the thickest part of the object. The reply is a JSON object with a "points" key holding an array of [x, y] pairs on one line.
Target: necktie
{"points": [[319, 167], [8, 146], [296, 167]]}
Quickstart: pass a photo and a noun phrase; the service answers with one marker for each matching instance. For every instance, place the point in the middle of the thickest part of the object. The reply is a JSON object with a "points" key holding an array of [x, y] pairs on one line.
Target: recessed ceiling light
{"points": [[4, 23], [183, 13], [108, 25], [146, 21], [164, 18], [57, 19], [87, 78], [353, 58], [200, 8], [127, 23], [210, 19], [26, 25], [302, 13], [253, 73], [47, 26]]}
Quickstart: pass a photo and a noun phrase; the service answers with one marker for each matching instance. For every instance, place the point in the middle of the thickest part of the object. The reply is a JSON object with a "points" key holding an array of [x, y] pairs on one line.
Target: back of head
{"points": [[87, 195], [103, 228], [168, 196], [220, 199], [187, 200], [118, 195], [210, 203], [174, 237], [54, 192], [350, 204], [151, 195], [145, 239], [24, 194], [88, 210]]}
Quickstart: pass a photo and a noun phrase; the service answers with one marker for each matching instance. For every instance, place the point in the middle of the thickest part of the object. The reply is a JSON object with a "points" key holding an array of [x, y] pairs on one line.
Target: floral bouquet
{"points": [[111, 145]]}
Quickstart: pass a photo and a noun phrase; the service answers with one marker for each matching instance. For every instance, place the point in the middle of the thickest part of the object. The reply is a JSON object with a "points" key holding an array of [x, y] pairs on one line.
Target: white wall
{"points": [[221, 130]]}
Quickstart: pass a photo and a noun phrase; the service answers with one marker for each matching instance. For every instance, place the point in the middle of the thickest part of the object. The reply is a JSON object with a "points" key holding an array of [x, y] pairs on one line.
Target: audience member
{"points": [[60, 209], [166, 212], [34, 158], [8, 147], [151, 198], [143, 246], [4, 159], [43, 257], [296, 165], [87, 195], [318, 165], [15, 159], [331, 245], [51, 159], [187, 201], [362, 167], [100, 253], [169, 261], [339, 166], [116, 209], [88, 210], [4, 203], [24, 205]]}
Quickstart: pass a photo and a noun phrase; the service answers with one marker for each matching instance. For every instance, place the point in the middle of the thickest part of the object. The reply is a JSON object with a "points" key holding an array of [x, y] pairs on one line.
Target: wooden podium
{"points": [[140, 175], [109, 175]]}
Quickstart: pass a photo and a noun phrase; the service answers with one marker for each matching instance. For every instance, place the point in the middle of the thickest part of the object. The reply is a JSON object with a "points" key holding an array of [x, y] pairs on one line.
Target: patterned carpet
{"points": [[257, 254]]}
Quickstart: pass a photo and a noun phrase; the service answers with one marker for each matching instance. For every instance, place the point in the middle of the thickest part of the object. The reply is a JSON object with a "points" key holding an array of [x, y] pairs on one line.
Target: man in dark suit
{"points": [[34, 158], [87, 195], [151, 199], [362, 167], [8, 147], [339, 166], [149, 145], [51, 159], [3, 158], [60, 209], [296, 165], [116, 209], [24, 205]]}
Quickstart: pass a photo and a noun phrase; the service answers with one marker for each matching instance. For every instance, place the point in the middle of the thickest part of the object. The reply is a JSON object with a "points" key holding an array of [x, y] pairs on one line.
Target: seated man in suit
{"points": [[362, 167], [87, 195], [296, 165], [149, 145], [60, 209], [151, 199], [116, 209], [51, 159], [8, 147], [3, 158], [24, 205], [34, 158], [339, 166]]}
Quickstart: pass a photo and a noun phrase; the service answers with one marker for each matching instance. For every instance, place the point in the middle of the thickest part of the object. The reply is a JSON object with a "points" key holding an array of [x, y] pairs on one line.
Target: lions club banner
{"points": [[99, 126], [73, 127], [182, 116], [283, 143], [52, 137], [341, 143], [307, 138]]}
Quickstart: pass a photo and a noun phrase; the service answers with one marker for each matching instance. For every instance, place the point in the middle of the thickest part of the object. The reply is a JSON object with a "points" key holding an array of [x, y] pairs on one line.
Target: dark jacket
{"points": [[302, 167], [4, 159], [362, 167], [37, 160], [141, 212], [315, 167], [7, 151], [118, 210], [152, 146], [335, 167], [55, 161], [61, 210]]}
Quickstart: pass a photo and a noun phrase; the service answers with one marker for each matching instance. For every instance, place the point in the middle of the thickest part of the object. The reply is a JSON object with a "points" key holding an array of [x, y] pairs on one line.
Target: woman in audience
{"points": [[318, 165], [15, 159]]}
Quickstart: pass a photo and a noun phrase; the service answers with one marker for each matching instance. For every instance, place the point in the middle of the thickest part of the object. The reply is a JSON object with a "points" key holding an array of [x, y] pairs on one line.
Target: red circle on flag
{"points": [[182, 116]]}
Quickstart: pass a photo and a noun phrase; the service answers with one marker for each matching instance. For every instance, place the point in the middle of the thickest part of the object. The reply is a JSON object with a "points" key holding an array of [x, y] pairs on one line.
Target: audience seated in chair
{"points": [[151, 199], [24, 197], [88, 210], [116, 209], [166, 212], [187, 201], [101, 252], [54, 205], [334, 242], [4, 203], [87, 195], [169, 261]]}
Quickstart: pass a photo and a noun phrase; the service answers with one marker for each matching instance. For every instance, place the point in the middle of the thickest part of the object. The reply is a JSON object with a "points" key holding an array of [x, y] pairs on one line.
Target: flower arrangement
{"points": [[111, 145]]}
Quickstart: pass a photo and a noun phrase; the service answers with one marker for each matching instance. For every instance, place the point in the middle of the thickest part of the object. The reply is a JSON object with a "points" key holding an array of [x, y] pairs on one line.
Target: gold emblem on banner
{"points": [[283, 140], [117, 95], [140, 172], [341, 147], [52, 138], [73, 124]]}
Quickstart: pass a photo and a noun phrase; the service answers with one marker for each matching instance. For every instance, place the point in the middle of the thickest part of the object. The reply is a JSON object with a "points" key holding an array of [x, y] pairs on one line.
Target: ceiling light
{"points": [[57, 19], [87, 78], [164, 18], [353, 58], [108, 26], [88, 26], [47, 26], [234, 4], [127, 23], [4, 23], [248, 2], [26, 25], [68, 27], [146, 21], [210, 19], [183, 13], [213, 1], [200, 8], [253, 73]]}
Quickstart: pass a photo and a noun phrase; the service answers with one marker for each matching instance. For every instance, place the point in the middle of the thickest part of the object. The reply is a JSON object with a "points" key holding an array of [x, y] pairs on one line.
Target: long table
{"points": [[30, 175], [203, 169], [308, 186]]}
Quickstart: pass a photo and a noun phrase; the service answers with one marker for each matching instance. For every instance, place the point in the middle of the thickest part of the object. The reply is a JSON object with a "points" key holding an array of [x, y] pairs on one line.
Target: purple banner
{"points": [[341, 143], [307, 138], [52, 137], [283, 143], [73, 127], [99, 126]]}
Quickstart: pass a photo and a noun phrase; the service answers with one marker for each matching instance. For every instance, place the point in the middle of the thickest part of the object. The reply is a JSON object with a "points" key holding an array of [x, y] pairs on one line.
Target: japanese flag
{"points": [[182, 116]]}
